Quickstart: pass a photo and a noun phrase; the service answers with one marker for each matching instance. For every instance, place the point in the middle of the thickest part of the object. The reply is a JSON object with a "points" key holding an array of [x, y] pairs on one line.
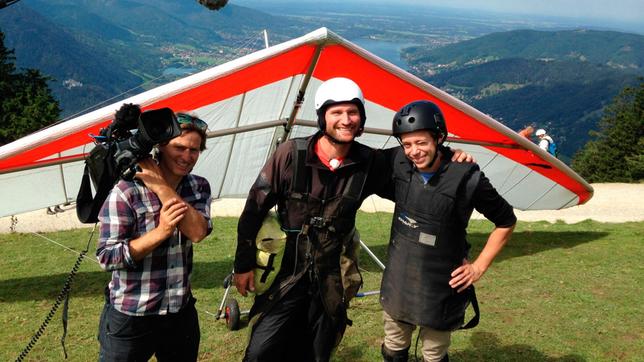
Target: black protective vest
{"points": [[427, 243], [326, 226]]}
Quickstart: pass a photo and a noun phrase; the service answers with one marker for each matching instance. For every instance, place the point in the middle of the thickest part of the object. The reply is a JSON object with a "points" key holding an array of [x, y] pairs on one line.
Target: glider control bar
{"points": [[312, 124], [242, 129], [45, 163], [255, 127], [81, 156], [387, 132]]}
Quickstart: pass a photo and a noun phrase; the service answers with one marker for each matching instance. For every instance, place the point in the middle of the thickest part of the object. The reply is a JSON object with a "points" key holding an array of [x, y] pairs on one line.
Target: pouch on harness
{"points": [[103, 174], [270, 242]]}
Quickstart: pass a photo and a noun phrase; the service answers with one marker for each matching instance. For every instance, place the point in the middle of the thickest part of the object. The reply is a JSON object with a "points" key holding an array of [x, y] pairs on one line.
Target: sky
{"points": [[613, 10], [631, 11]]}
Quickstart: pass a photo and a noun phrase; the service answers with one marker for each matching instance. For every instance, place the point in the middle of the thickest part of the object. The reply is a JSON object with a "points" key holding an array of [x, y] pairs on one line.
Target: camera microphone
{"points": [[127, 117]]}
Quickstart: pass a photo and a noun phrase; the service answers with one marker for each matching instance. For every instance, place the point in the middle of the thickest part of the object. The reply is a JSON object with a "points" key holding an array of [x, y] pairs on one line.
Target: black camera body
{"points": [[133, 135], [127, 140]]}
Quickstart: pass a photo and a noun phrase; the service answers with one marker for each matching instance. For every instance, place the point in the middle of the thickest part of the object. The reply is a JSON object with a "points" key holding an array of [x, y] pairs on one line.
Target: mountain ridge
{"points": [[96, 49], [619, 50], [529, 77]]}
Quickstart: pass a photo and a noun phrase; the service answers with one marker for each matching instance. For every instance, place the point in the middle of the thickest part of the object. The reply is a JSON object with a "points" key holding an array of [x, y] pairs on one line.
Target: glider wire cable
{"points": [[63, 296]]}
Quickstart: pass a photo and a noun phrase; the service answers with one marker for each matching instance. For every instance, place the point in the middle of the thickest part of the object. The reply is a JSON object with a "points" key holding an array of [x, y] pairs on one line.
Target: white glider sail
{"points": [[249, 102]]}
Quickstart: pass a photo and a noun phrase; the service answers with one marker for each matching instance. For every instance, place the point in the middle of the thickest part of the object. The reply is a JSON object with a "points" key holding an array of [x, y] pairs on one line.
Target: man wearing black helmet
{"points": [[428, 280]]}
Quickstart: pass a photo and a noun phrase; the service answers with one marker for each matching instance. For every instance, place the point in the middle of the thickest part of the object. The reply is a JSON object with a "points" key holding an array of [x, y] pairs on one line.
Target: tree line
{"points": [[26, 102], [615, 152]]}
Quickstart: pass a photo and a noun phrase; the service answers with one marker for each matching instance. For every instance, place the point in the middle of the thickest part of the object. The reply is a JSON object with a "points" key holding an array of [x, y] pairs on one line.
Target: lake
{"points": [[178, 71], [388, 51]]}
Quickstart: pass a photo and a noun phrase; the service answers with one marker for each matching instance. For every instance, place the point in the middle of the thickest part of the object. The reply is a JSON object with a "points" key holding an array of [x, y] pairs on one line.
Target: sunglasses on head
{"points": [[183, 118]]}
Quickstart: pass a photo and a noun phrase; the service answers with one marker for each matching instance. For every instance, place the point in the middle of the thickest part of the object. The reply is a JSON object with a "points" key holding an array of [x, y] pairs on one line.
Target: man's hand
{"points": [[151, 175], [245, 282], [172, 212], [462, 156], [465, 275]]}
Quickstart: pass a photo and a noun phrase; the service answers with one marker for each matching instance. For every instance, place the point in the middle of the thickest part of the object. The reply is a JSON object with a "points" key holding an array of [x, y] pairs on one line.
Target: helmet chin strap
{"points": [[438, 142], [433, 159]]}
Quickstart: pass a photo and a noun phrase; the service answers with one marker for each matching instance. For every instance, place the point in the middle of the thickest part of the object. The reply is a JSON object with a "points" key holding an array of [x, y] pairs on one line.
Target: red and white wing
{"points": [[247, 102]]}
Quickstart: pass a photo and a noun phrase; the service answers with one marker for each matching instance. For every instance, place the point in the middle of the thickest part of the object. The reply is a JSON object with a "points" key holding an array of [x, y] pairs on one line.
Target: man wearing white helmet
{"points": [[318, 183], [546, 142]]}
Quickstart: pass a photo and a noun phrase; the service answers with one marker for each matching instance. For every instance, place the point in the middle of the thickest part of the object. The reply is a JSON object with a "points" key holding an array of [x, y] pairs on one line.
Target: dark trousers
{"points": [[171, 337], [296, 328]]}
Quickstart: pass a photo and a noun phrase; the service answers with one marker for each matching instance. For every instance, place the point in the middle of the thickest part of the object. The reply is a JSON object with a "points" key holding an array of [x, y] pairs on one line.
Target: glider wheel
{"points": [[232, 314]]}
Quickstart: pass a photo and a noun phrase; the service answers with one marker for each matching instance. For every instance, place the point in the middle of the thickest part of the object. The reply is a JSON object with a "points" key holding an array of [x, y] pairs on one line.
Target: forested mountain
{"points": [[83, 75], [97, 49], [558, 80], [615, 49]]}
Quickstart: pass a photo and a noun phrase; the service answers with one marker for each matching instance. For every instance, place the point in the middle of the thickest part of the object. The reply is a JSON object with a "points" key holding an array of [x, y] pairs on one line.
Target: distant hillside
{"points": [[96, 49], [557, 80], [75, 67], [614, 49]]}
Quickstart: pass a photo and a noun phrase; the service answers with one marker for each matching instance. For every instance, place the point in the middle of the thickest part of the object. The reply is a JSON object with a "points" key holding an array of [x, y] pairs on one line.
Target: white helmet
{"points": [[540, 132], [338, 90]]}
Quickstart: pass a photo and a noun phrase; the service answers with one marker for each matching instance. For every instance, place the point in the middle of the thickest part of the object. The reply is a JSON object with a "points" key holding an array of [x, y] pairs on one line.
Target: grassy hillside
{"points": [[557, 292]]}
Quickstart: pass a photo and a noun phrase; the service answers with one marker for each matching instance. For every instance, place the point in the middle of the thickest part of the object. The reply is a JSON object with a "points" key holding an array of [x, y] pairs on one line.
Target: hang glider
{"points": [[251, 102]]}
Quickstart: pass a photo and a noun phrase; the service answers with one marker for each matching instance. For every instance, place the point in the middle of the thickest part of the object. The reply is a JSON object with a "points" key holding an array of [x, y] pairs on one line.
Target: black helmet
{"points": [[417, 116]]}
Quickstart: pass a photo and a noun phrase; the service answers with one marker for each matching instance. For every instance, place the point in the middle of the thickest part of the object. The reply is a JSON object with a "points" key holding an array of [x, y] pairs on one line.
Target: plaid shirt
{"points": [[160, 282]]}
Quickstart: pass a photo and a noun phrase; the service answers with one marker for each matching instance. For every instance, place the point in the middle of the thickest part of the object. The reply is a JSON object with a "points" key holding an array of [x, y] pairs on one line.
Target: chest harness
{"points": [[320, 230]]}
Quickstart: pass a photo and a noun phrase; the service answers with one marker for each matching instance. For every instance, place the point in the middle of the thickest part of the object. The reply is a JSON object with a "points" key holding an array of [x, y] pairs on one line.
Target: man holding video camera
{"points": [[147, 227]]}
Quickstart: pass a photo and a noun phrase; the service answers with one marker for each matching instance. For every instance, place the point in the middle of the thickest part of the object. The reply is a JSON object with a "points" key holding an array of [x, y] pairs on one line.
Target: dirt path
{"points": [[614, 202]]}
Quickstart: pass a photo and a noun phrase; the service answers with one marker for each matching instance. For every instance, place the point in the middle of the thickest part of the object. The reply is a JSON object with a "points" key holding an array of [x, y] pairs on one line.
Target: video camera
{"points": [[127, 140], [134, 134]]}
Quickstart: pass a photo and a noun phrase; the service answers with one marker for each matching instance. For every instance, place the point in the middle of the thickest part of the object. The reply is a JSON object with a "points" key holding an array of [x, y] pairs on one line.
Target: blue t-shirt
{"points": [[426, 176]]}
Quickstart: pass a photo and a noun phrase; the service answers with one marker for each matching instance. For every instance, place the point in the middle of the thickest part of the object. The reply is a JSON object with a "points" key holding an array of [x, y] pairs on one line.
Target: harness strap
{"points": [[302, 176], [477, 313], [300, 180], [268, 268], [356, 183]]}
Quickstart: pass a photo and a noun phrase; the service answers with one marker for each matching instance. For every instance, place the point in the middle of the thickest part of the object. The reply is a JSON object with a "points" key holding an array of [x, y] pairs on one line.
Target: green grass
{"points": [[557, 292]]}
